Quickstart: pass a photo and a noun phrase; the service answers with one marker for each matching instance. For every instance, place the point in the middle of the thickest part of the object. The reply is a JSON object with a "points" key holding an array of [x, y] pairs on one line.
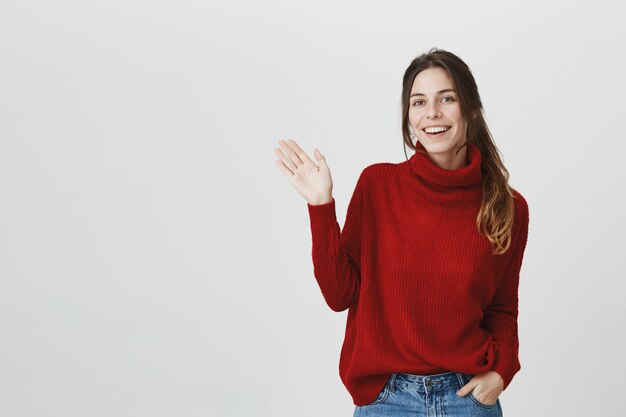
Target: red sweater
{"points": [[424, 293]]}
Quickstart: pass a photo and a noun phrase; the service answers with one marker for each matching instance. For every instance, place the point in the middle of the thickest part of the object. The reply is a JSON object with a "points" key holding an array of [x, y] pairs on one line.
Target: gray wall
{"points": [[155, 262]]}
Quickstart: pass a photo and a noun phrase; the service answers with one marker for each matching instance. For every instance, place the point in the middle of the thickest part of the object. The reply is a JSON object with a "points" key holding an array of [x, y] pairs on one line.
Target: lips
{"points": [[437, 134], [439, 126]]}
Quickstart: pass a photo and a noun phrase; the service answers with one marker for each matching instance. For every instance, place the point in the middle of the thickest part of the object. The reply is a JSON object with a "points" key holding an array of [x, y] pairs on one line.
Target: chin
{"points": [[437, 147]]}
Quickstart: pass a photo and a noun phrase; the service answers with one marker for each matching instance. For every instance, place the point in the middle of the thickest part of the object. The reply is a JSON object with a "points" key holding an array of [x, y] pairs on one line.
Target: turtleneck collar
{"points": [[442, 193], [466, 176]]}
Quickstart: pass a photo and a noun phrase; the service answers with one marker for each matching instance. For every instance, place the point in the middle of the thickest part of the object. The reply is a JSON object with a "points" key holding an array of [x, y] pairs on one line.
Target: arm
{"points": [[336, 254], [500, 317]]}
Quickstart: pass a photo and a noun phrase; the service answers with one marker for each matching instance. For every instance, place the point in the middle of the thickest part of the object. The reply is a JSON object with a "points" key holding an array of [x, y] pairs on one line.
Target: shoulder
{"points": [[521, 208], [379, 171], [520, 200], [377, 178]]}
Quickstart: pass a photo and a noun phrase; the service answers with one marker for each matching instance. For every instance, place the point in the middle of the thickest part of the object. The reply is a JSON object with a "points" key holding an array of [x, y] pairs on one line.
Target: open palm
{"points": [[313, 181]]}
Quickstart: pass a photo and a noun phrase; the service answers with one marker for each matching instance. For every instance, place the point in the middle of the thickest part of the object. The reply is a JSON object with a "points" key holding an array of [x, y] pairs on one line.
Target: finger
{"points": [[465, 389], [286, 161], [302, 156], [284, 169], [321, 159], [288, 149]]}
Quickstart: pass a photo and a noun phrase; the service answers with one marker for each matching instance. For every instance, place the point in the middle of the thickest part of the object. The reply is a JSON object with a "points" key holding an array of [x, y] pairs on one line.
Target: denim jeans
{"points": [[427, 396]]}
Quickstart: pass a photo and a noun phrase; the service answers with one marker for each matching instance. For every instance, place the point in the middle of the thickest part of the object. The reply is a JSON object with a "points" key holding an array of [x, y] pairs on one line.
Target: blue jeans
{"points": [[427, 396]]}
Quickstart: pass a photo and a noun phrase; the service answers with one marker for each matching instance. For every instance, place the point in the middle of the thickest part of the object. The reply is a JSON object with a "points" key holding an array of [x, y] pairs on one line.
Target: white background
{"points": [[155, 262]]}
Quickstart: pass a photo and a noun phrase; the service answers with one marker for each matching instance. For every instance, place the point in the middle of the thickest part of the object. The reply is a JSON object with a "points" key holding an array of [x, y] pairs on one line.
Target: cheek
{"points": [[457, 116], [457, 120]]}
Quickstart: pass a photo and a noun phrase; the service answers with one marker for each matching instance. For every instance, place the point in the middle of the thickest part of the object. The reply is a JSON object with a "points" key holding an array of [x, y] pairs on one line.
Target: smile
{"points": [[436, 131]]}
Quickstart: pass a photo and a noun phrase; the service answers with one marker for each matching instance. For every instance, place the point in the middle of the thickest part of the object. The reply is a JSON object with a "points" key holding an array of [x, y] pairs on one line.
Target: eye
{"points": [[449, 99]]}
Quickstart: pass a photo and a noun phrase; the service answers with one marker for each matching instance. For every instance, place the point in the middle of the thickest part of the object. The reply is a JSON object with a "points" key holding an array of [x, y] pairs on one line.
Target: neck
{"points": [[449, 160], [445, 193], [466, 173]]}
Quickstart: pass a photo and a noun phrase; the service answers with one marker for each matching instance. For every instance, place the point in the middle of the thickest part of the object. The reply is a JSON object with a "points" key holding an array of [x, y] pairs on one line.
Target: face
{"points": [[434, 102]]}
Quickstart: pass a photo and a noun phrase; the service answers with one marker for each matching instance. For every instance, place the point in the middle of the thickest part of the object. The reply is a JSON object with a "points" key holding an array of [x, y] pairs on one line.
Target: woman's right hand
{"points": [[313, 182]]}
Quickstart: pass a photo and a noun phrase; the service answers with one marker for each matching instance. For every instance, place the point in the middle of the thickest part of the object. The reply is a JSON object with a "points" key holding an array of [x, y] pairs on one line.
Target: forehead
{"points": [[431, 80]]}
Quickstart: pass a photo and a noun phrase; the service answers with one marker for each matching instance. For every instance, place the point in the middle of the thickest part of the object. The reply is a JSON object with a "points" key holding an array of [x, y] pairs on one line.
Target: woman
{"points": [[428, 261]]}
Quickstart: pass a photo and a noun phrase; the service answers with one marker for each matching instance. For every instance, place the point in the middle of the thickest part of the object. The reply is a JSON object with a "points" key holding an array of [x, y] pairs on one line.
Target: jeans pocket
{"points": [[466, 379], [382, 395], [482, 404]]}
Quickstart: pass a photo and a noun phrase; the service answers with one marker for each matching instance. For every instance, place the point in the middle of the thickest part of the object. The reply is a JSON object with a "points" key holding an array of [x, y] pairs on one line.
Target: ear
{"points": [[474, 114]]}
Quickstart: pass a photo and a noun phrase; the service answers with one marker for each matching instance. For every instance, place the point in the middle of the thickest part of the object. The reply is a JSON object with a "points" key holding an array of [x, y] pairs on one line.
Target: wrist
{"points": [[320, 201]]}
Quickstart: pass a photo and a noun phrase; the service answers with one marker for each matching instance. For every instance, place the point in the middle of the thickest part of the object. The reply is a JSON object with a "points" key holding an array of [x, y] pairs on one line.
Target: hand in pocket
{"points": [[485, 388]]}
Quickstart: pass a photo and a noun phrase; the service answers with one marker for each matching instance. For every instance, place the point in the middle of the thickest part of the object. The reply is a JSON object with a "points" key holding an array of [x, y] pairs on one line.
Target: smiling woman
{"points": [[429, 257], [437, 118]]}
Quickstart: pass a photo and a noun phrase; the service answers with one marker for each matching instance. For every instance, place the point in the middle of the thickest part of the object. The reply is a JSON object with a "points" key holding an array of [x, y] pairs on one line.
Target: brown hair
{"points": [[496, 214]]}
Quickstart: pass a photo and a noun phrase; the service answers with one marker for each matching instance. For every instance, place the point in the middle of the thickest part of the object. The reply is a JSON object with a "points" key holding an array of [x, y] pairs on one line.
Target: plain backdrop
{"points": [[154, 261]]}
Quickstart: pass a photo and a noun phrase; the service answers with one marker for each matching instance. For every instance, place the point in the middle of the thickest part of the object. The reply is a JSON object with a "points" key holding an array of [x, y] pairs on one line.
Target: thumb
{"points": [[464, 390], [319, 157]]}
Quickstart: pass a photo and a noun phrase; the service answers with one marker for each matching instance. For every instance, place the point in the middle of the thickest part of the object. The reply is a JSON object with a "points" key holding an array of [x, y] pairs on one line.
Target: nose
{"points": [[432, 111]]}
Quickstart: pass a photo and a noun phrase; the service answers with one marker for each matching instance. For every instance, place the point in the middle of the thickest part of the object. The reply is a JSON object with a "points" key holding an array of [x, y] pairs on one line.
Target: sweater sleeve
{"points": [[500, 317], [336, 254]]}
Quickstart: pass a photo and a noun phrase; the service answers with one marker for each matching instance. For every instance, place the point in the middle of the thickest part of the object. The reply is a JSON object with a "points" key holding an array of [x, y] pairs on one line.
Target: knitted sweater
{"points": [[424, 293]]}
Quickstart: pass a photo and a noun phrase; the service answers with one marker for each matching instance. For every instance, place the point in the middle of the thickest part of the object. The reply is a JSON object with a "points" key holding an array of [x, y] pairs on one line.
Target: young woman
{"points": [[429, 257]]}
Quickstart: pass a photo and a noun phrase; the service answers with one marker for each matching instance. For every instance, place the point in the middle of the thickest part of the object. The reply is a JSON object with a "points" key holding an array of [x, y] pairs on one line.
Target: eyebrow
{"points": [[438, 92]]}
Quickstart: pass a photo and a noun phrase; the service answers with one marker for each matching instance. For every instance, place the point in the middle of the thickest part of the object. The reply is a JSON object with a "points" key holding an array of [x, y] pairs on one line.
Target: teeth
{"points": [[435, 129]]}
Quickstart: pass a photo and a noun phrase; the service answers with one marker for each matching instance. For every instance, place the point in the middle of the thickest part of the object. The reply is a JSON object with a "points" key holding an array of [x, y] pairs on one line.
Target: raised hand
{"points": [[311, 180]]}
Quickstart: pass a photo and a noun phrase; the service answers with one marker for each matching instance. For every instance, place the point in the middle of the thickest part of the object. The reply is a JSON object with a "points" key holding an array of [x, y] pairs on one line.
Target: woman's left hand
{"points": [[486, 387]]}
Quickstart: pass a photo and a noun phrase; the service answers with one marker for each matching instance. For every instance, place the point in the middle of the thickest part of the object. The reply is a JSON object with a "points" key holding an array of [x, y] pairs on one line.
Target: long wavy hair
{"points": [[496, 215]]}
